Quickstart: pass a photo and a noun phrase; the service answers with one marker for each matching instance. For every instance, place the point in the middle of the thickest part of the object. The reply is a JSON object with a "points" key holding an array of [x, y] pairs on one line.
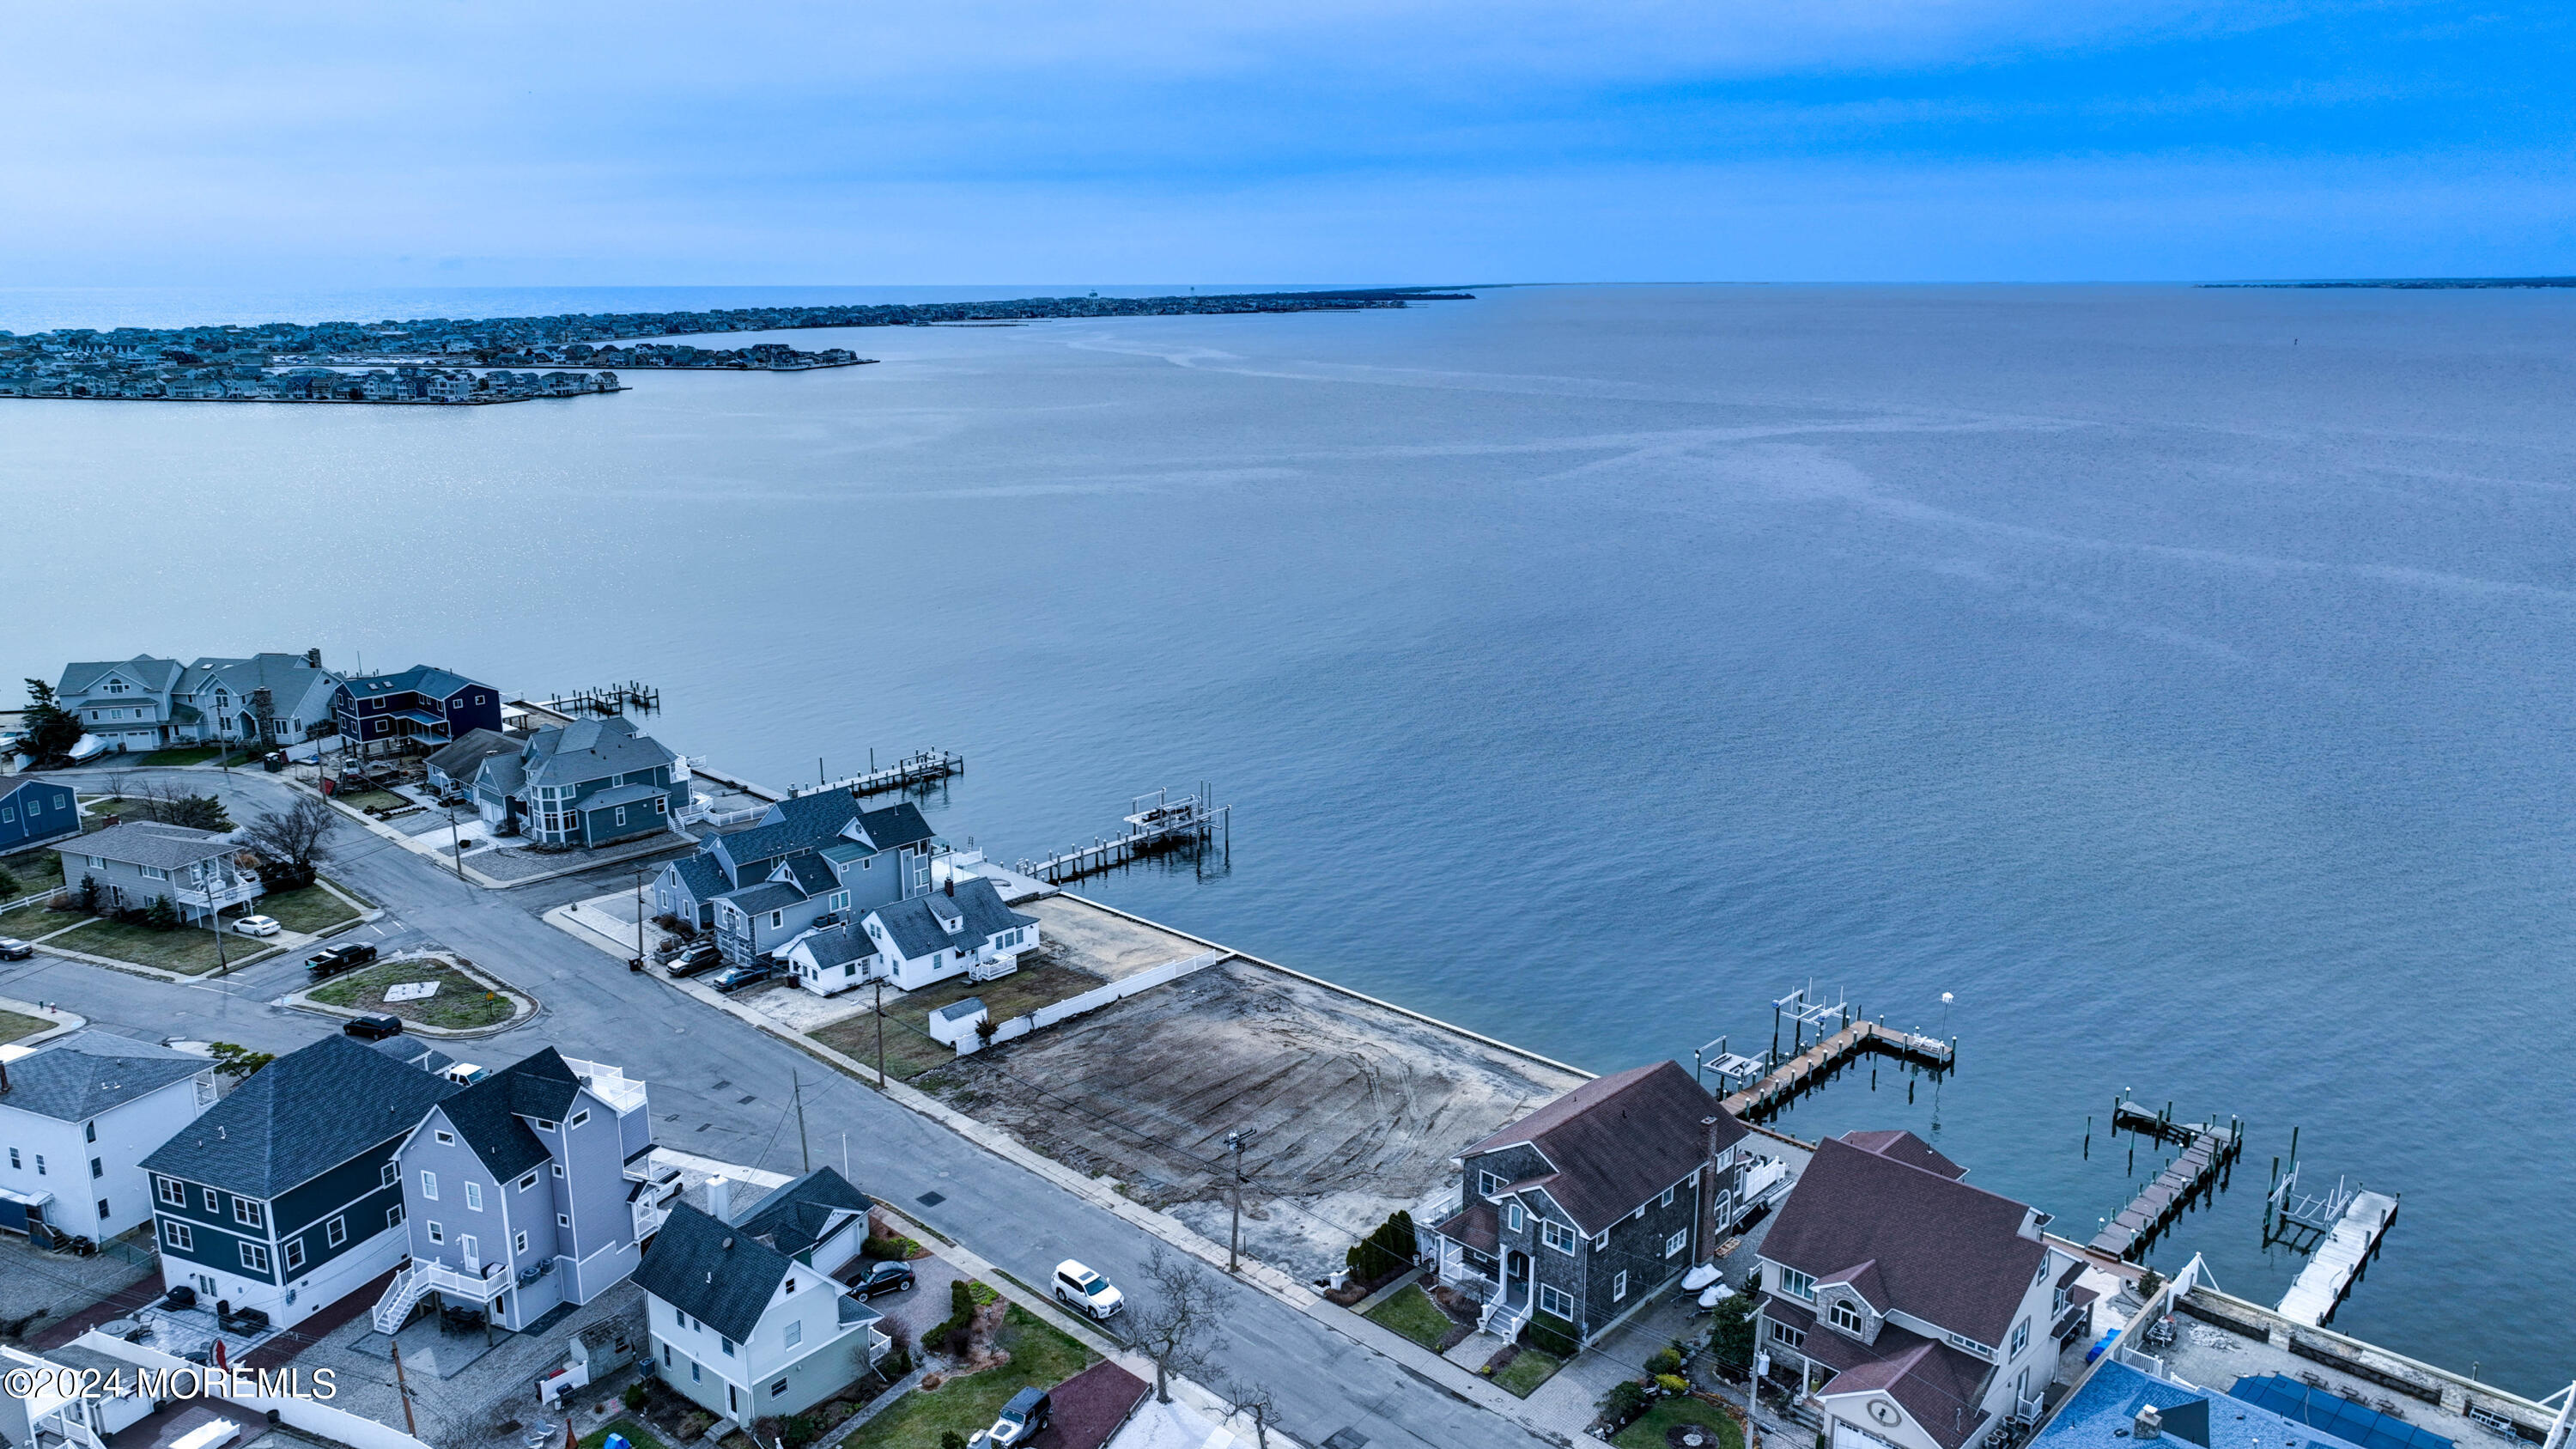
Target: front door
{"points": [[470, 1251]]}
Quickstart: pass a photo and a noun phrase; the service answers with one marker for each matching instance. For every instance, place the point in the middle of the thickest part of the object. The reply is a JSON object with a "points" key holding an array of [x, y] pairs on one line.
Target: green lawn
{"points": [[311, 910], [1413, 1314], [374, 800], [909, 1049], [462, 1003], [14, 1026], [1648, 1432], [636, 1434], [1527, 1370], [1040, 1358], [188, 949]]}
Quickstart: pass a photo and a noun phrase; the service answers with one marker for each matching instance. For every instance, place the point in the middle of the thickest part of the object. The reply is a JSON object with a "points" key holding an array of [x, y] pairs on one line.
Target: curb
{"points": [[302, 1000], [64, 1022], [158, 973]]}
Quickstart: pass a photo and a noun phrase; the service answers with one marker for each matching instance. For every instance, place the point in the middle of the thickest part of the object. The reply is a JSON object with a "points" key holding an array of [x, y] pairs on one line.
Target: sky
{"points": [[457, 142]]}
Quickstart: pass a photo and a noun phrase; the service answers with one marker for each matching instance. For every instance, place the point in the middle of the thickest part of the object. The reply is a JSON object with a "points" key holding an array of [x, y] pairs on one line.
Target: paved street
{"points": [[725, 1089]]}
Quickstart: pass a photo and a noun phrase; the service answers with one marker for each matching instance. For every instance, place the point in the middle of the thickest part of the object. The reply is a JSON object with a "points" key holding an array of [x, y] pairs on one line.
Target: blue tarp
{"points": [[2333, 1413]]}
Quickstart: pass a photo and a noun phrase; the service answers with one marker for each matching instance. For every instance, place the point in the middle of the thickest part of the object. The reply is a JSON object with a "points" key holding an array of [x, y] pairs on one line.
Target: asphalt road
{"points": [[726, 1090]]}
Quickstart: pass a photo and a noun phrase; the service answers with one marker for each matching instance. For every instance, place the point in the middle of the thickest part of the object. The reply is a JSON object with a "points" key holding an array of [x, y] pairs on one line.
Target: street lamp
{"points": [[1235, 1142]]}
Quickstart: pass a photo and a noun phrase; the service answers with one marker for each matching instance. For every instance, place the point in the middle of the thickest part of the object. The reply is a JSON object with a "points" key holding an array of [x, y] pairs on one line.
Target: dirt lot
{"points": [[1358, 1108]]}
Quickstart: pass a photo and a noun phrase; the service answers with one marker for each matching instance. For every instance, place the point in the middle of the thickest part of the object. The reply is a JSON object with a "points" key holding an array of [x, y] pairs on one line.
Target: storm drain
{"points": [[1347, 1438], [930, 1199]]}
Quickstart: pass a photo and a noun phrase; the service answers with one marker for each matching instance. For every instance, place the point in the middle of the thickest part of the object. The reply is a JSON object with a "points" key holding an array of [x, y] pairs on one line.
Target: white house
{"points": [[78, 1115], [746, 1314], [962, 929]]}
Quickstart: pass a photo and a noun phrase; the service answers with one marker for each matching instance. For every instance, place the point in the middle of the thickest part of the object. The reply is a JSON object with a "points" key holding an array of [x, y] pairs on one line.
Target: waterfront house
{"points": [[78, 1115], [961, 929], [286, 1196], [421, 707], [1909, 1308], [590, 782], [268, 699], [36, 812], [124, 703], [526, 1190], [807, 864], [1582, 1211], [142, 861], [453, 767], [745, 1314]]}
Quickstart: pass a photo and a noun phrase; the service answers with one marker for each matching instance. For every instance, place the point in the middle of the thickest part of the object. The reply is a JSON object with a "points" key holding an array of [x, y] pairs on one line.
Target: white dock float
{"points": [[2332, 1267]]}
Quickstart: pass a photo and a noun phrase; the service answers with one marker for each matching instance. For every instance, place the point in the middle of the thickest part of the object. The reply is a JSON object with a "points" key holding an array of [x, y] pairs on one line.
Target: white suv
{"points": [[1078, 1287]]}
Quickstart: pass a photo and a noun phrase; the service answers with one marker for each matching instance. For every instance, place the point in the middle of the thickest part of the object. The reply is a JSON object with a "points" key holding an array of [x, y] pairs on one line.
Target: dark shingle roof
{"points": [[163, 847], [914, 924], [426, 679], [893, 826], [808, 822], [1907, 1148], [616, 795], [796, 1216], [1619, 1140], [713, 1272], [837, 946], [769, 895], [701, 877], [1947, 1253], [811, 874], [151, 672], [590, 749], [300, 1116], [487, 1114], [1939, 1387], [460, 760], [74, 1078]]}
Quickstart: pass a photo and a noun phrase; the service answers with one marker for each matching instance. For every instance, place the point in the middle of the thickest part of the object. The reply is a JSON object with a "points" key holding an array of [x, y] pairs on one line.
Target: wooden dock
{"points": [[921, 768], [1811, 1067], [2338, 1262], [2207, 1152], [1155, 823]]}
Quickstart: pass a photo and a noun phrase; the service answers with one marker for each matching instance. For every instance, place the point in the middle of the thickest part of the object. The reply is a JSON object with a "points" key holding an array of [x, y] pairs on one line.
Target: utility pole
{"points": [[804, 1149], [402, 1390], [881, 1034], [1236, 1142], [639, 918], [456, 842]]}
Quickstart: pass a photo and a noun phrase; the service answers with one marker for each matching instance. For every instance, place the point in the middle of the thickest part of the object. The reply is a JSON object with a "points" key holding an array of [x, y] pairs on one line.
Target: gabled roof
{"points": [[1863, 1279], [459, 761], [713, 1272], [288, 678], [163, 847], [913, 925], [1619, 1140], [74, 1078], [152, 673], [28, 782], [768, 895], [802, 1213], [810, 874], [426, 679], [1907, 1148], [894, 826], [488, 1114], [807, 822], [1939, 1387], [1947, 1253], [502, 774], [835, 946], [700, 876], [589, 749], [300, 1116]]}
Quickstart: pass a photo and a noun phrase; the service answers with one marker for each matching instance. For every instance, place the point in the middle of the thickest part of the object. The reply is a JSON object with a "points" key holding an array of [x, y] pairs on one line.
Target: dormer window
{"points": [[1797, 1284], [1489, 1185], [1844, 1315]]}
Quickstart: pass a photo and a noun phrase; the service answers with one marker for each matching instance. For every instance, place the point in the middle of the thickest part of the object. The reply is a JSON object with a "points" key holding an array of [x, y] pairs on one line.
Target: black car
{"points": [[883, 1278], [374, 1028], [701, 957], [13, 949], [738, 978], [336, 959]]}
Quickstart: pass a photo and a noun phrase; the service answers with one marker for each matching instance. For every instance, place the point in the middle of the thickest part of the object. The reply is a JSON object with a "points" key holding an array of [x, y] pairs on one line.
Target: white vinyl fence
{"points": [[1092, 1000]]}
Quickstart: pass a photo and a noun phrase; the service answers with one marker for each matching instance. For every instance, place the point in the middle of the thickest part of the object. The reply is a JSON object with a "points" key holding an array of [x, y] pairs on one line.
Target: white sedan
{"points": [[257, 925]]}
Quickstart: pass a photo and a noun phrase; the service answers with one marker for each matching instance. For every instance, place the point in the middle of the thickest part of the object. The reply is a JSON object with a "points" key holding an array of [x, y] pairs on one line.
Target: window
{"points": [[1559, 1238], [388, 1175], [728, 1345], [1960, 1340], [545, 1124], [97, 1169], [254, 1257], [429, 1185], [776, 918], [581, 1116], [795, 1332], [2037, 1278], [172, 1192], [1552, 1299], [778, 1388], [1618, 1285], [154, 872], [1674, 1244], [473, 1197], [336, 1231], [2020, 1337], [1844, 1315], [563, 1220], [791, 1286], [621, 814], [294, 1254], [437, 1234], [445, 1139], [1783, 1333], [527, 1182], [246, 1212], [40, 1164], [89, 1133], [15, 1163], [1797, 1284], [519, 1241], [558, 1169], [693, 1371], [1512, 1216], [1668, 1195], [1601, 1241], [102, 1207], [666, 1355], [179, 1236], [394, 1216]]}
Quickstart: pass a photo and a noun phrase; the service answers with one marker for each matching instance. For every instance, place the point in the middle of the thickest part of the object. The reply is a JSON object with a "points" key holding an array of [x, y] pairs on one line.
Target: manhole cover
{"points": [[720, 1086], [1346, 1439], [746, 1101], [932, 1199]]}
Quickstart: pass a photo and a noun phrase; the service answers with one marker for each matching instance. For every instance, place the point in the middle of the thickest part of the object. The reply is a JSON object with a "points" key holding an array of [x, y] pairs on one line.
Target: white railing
{"points": [[425, 1277], [213, 899], [608, 1084], [2026, 1411]]}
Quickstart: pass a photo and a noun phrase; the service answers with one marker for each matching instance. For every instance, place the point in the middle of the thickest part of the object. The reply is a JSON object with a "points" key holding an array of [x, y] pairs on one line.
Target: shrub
{"points": [[799, 1430], [1730, 1341], [89, 894], [1625, 1401], [161, 915], [2149, 1281], [894, 1249], [1388, 1250], [1670, 1384], [634, 1398], [8, 883], [1550, 1334], [282, 875], [1665, 1361]]}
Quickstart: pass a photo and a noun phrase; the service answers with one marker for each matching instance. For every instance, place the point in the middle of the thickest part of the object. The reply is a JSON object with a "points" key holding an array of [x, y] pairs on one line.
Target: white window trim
{"points": [[1557, 1236]]}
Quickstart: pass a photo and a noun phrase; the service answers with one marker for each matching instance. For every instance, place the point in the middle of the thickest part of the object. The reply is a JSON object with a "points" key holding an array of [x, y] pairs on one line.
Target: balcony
{"points": [[608, 1084], [222, 895]]}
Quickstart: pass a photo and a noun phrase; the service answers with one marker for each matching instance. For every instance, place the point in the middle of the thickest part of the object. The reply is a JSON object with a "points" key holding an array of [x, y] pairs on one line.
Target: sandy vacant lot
{"points": [[1358, 1108]]}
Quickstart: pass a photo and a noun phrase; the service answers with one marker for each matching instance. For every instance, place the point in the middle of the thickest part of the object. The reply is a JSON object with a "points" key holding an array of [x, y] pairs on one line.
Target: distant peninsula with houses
{"points": [[470, 361]]}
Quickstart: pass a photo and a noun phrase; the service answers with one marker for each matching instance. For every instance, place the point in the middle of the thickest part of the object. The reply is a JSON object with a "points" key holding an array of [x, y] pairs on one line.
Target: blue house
{"points": [[423, 706], [590, 782], [36, 812], [811, 861]]}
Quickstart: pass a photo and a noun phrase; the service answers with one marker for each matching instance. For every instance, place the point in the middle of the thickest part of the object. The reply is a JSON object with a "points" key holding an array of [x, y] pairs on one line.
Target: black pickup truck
{"points": [[337, 959]]}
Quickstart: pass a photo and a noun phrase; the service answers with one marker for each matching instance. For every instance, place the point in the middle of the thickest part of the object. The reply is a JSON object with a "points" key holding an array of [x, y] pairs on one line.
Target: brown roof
{"points": [[1907, 1148], [1618, 1140], [1089, 1407], [1937, 1385], [1946, 1252], [1474, 1226]]}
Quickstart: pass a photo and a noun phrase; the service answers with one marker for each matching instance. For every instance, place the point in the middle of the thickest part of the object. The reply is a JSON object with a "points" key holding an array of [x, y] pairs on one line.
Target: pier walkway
{"points": [[2207, 1152], [1810, 1067], [2337, 1263]]}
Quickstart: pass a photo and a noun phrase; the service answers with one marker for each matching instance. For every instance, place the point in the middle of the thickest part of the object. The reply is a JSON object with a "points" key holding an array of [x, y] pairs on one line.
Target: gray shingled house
{"points": [[746, 1313], [809, 862], [587, 783], [78, 1115], [285, 1195], [141, 861]]}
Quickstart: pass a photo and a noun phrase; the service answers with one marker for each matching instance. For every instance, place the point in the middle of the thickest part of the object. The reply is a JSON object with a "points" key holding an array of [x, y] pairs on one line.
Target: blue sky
{"points": [[459, 142]]}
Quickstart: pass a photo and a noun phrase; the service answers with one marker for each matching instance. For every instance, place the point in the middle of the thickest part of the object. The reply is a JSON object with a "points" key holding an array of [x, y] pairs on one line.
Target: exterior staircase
{"points": [[402, 1296]]}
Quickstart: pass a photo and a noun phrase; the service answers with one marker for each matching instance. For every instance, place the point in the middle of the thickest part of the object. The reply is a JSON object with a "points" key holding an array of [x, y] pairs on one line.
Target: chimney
{"points": [[720, 1198], [2150, 1424], [952, 886]]}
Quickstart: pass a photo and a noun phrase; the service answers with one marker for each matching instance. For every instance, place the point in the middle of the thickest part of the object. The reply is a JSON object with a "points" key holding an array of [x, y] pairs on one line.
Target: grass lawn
{"points": [[1040, 1358], [462, 1003], [1413, 1314], [1529, 1369], [1648, 1431], [636, 1434], [311, 910], [188, 949], [14, 1026], [375, 800], [909, 1050]]}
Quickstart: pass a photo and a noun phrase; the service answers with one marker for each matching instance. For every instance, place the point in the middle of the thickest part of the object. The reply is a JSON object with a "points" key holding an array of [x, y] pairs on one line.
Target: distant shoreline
{"points": [[2412, 284]]}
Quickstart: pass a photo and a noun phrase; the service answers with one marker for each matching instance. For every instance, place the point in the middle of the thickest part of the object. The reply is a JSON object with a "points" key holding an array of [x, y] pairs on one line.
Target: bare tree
{"points": [[1178, 1330], [1246, 1397], [292, 836]]}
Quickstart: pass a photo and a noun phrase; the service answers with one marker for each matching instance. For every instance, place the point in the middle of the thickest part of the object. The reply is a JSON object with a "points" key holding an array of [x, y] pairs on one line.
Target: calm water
{"points": [[2180, 678]]}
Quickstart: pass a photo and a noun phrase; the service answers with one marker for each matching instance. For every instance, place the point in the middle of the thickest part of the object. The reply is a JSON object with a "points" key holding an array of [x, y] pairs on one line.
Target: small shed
{"points": [[955, 1023]]}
